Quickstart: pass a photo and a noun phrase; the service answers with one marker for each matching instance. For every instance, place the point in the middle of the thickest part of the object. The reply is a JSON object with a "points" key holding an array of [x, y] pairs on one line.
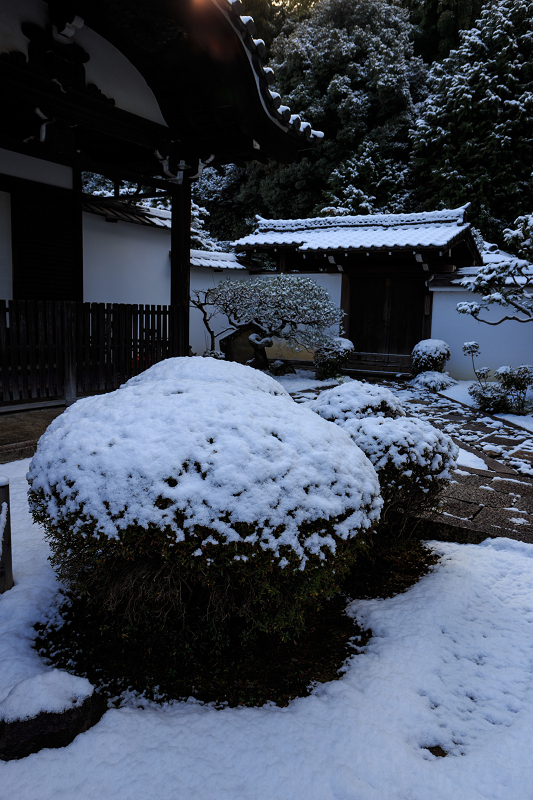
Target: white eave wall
{"points": [[17, 165], [510, 343]]}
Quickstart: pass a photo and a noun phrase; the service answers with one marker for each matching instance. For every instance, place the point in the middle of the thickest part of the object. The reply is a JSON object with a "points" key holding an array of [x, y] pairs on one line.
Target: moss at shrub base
{"points": [[200, 594], [265, 670]]}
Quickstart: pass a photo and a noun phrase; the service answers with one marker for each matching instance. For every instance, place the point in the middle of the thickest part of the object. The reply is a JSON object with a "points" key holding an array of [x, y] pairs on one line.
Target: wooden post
{"points": [[6, 564], [180, 260], [69, 352]]}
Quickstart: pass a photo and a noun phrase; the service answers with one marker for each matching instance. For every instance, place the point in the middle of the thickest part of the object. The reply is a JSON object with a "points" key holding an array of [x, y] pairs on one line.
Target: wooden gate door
{"points": [[387, 312]]}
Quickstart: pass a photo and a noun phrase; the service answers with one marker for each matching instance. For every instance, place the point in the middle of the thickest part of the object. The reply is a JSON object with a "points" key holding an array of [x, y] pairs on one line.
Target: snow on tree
{"points": [[474, 142], [348, 68], [507, 284], [201, 239], [521, 236], [289, 307], [438, 24]]}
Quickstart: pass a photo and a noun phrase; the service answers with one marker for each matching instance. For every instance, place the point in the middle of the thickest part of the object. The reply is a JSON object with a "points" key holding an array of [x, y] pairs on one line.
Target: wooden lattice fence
{"points": [[60, 349]]}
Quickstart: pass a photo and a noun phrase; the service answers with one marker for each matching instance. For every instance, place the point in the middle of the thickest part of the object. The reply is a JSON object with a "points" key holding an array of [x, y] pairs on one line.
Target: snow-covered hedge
{"points": [[215, 371], [354, 400], [180, 486], [412, 460], [436, 381], [430, 355], [331, 358]]}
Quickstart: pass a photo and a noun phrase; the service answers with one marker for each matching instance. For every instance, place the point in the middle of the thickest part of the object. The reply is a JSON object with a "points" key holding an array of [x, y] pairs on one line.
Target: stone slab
{"points": [[15, 452], [472, 494], [491, 518]]}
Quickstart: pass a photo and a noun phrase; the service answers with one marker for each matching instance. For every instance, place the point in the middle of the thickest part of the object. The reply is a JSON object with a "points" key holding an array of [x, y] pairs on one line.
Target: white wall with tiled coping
{"points": [[510, 343], [129, 263]]}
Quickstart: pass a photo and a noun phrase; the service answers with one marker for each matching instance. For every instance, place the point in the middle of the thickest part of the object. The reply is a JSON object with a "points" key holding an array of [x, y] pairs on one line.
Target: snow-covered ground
{"points": [[460, 394], [450, 664]]}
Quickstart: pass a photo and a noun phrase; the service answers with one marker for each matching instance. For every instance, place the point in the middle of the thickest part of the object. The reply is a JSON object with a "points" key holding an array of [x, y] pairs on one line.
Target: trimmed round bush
{"points": [[331, 358], [412, 459], [435, 381], [354, 400], [429, 355], [192, 510], [209, 370]]}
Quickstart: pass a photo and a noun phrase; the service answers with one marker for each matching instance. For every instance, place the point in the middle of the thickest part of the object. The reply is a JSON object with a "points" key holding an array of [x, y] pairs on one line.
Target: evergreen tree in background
{"points": [[474, 142], [270, 15], [348, 69], [201, 239], [437, 24]]}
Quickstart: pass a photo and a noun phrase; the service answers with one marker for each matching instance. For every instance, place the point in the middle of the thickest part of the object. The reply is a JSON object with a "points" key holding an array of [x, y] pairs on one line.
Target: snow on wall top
{"points": [[215, 260], [363, 232]]}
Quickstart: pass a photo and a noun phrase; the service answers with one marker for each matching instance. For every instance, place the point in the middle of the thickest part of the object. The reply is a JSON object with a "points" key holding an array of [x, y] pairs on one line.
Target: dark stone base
{"points": [[22, 737]]}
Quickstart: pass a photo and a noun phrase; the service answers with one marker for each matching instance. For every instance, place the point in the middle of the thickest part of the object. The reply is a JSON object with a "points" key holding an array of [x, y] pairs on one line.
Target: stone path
{"points": [[20, 431], [494, 501]]}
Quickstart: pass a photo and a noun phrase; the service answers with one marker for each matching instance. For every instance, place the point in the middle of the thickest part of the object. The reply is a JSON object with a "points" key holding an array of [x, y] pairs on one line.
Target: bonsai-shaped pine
{"points": [[506, 283], [289, 307]]}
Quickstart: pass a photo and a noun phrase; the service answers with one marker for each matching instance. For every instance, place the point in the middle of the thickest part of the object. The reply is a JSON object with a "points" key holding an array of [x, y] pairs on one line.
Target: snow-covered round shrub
{"points": [[185, 508], [436, 381], [208, 370], [429, 355], [354, 400], [412, 460], [332, 357]]}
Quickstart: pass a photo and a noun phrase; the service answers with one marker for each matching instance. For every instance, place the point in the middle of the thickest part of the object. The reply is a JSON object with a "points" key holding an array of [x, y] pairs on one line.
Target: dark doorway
{"points": [[388, 313]]}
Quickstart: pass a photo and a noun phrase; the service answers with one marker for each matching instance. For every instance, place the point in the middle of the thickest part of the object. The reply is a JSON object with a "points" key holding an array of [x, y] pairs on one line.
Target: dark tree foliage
{"points": [[474, 142], [270, 15], [438, 24], [348, 69]]}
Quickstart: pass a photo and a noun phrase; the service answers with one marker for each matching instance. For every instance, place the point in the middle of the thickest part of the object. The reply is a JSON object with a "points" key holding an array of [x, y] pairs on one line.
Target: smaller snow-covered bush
{"points": [[412, 460], [429, 355], [354, 400], [189, 511], [435, 381], [218, 354], [281, 367], [331, 358], [509, 390]]}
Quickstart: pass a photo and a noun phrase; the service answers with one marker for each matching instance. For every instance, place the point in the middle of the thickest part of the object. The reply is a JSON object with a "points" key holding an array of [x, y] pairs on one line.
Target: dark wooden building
{"points": [[148, 91], [384, 264]]}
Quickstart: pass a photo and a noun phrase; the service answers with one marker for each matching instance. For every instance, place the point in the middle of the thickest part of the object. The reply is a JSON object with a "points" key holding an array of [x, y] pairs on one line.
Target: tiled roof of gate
{"points": [[215, 260], [431, 229]]}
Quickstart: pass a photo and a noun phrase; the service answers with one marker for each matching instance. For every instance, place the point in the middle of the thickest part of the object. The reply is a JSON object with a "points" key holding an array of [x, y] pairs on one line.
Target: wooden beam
{"points": [[180, 258]]}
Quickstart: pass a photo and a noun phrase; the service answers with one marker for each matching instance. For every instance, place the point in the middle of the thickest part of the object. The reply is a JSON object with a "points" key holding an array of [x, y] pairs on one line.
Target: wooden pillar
{"points": [[6, 568], [180, 260]]}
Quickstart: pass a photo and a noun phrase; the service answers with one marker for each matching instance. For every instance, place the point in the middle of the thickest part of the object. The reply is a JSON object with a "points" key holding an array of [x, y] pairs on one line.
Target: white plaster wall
{"points": [[124, 262], [510, 343], [6, 272], [18, 165], [116, 77]]}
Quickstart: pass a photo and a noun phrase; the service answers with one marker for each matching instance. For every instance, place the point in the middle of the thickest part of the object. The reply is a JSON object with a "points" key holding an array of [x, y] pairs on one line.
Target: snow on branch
{"points": [[505, 283]]}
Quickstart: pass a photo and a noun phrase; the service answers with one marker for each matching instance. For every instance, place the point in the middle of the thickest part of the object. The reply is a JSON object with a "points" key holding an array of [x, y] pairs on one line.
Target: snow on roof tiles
{"points": [[215, 260], [372, 231]]}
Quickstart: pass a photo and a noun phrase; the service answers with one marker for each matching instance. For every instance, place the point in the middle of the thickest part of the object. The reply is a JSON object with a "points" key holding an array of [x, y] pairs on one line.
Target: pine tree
{"points": [[438, 24], [349, 70], [474, 142]]}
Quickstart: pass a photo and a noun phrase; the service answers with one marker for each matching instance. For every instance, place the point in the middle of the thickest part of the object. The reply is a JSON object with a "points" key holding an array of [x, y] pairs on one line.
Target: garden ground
{"points": [[449, 668]]}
